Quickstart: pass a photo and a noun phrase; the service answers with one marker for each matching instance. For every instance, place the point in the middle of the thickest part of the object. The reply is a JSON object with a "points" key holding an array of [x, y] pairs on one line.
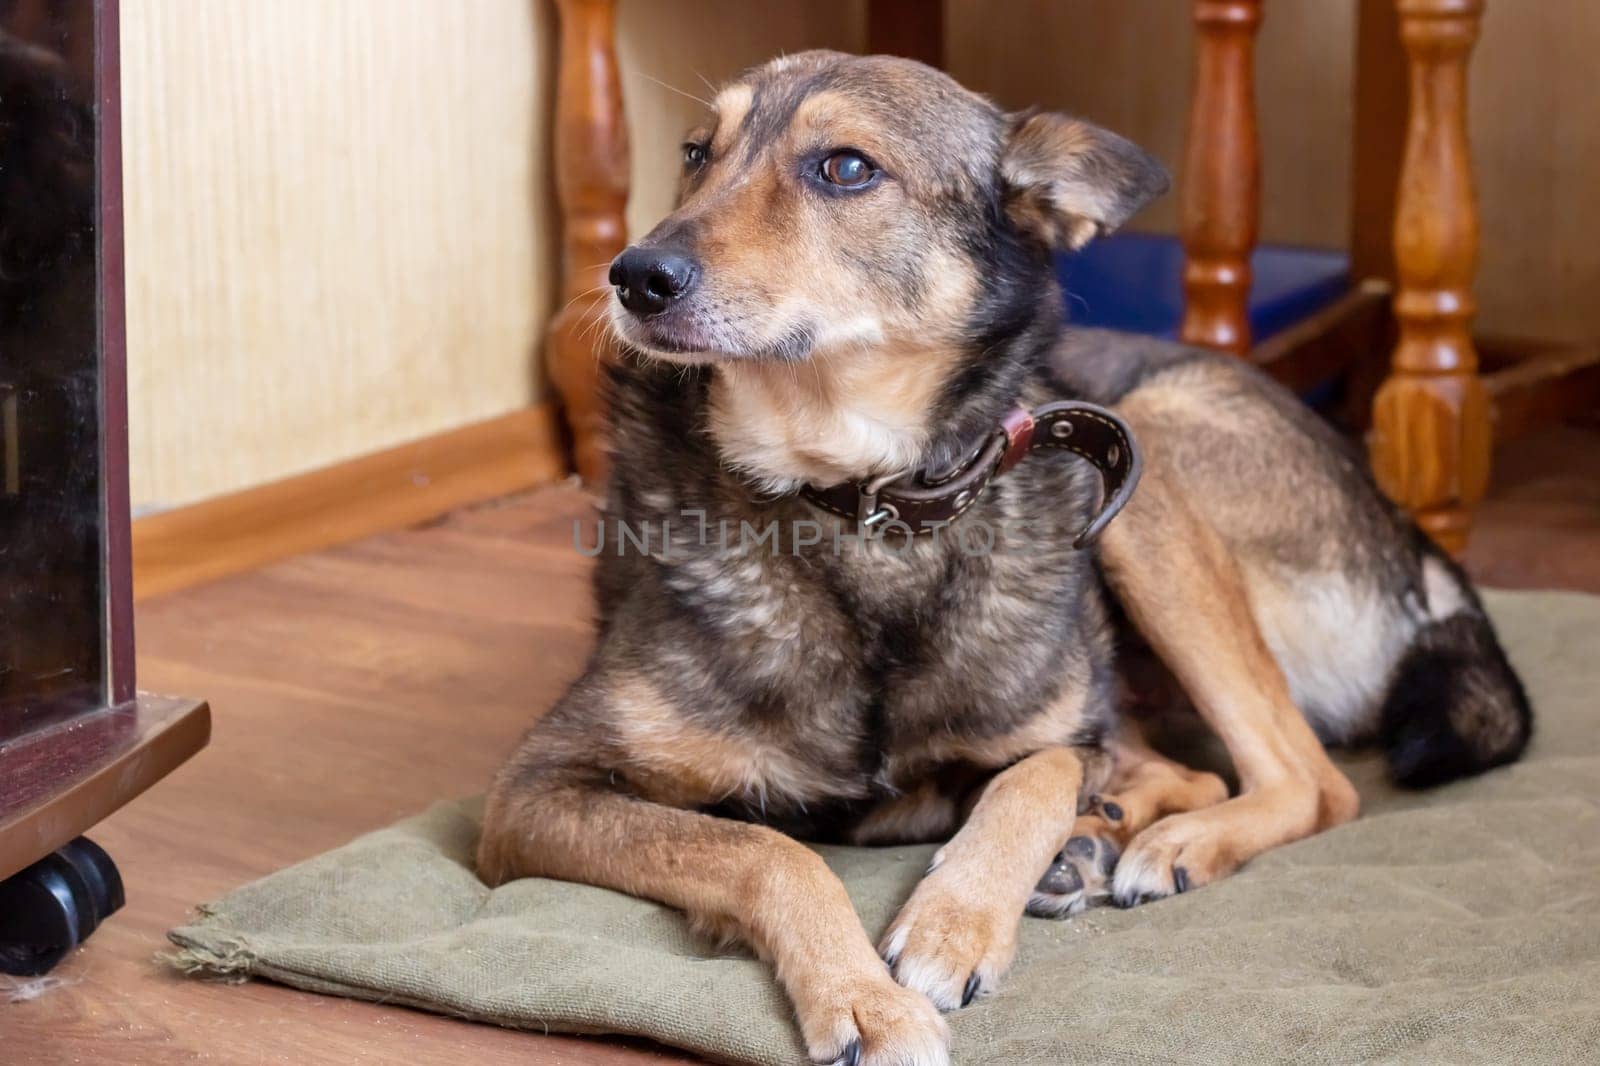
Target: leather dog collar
{"points": [[920, 502]]}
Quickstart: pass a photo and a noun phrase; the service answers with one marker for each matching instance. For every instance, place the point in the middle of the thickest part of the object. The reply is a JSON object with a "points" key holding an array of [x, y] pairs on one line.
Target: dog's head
{"points": [[835, 203]]}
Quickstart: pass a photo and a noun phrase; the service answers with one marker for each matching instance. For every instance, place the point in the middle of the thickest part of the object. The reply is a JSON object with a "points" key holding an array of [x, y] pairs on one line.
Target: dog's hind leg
{"points": [[1185, 594], [957, 933], [1145, 786]]}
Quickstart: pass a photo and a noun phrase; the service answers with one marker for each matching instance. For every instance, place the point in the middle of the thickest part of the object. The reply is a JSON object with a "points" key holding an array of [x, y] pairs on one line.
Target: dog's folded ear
{"points": [[1067, 181]]}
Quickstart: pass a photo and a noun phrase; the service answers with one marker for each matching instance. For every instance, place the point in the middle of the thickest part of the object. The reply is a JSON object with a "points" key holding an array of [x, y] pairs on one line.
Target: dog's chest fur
{"points": [[846, 669]]}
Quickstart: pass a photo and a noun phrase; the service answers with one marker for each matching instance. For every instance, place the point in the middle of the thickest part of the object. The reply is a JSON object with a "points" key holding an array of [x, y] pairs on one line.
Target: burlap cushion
{"points": [[1458, 925]]}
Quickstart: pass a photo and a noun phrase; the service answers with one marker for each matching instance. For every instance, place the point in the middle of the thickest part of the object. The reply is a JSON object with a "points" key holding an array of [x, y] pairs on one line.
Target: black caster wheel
{"points": [[52, 906]]}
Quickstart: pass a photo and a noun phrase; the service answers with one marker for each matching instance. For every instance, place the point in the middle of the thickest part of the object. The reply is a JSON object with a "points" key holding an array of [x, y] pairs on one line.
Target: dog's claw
{"points": [[970, 991], [1127, 901], [850, 1056], [1181, 882]]}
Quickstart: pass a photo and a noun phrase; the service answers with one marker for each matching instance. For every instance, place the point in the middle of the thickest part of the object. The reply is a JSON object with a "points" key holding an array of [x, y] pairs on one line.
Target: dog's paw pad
{"points": [[1078, 878], [1111, 810]]}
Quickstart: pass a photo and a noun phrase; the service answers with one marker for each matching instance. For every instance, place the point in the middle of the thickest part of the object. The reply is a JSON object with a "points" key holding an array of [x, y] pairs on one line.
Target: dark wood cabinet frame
{"points": [[60, 779]]}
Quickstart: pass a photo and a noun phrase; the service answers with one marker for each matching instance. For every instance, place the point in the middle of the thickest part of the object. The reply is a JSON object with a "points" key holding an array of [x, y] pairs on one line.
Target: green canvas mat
{"points": [[1458, 925]]}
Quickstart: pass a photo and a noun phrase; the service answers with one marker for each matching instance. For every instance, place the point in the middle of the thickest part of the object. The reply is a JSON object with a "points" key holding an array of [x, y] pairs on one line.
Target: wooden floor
{"points": [[349, 688], [359, 684], [1540, 526]]}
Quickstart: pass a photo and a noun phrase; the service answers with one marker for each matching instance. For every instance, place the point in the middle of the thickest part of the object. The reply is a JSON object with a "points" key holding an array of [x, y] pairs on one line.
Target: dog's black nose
{"points": [[648, 279]]}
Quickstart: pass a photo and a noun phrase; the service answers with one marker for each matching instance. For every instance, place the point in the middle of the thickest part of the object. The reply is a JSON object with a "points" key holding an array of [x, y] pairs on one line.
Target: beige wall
{"points": [[339, 216], [340, 223], [1536, 139], [330, 219]]}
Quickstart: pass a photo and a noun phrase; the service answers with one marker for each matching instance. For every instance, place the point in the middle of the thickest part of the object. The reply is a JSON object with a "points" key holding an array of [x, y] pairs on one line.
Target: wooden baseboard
{"points": [[372, 494]]}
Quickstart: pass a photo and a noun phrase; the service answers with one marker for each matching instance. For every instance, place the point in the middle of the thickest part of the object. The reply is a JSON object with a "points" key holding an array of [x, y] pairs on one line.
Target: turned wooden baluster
{"points": [[591, 162], [1221, 177], [1431, 433]]}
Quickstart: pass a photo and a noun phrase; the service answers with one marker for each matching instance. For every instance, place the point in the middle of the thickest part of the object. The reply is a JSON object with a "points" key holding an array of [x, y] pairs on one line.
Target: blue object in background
{"points": [[1133, 282]]}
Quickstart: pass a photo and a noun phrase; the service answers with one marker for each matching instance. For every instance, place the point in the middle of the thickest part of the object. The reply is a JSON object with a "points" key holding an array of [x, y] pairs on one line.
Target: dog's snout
{"points": [[648, 279]]}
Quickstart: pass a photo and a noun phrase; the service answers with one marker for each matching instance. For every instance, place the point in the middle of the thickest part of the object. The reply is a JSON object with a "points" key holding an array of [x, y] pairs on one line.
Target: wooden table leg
{"points": [[1221, 177], [591, 160], [1431, 432]]}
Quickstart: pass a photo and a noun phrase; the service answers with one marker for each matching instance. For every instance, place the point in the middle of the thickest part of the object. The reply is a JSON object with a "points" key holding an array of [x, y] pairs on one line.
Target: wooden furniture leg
{"points": [[591, 159], [1218, 201], [1431, 431], [1379, 142]]}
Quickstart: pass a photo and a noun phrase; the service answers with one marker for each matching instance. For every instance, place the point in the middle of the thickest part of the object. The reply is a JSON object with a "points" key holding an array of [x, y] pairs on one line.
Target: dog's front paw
{"points": [[951, 941], [876, 1023], [1078, 878]]}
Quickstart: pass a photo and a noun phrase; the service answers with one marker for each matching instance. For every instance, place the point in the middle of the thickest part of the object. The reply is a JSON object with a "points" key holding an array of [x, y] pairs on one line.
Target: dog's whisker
{"points": [[598, 346], [593, 330], [586, 294], [672, 88], [585, 325], [599, 311]]}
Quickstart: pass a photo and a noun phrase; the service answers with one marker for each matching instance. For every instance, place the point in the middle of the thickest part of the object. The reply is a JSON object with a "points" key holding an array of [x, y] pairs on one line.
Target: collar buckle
{"points": [[870, 514]]}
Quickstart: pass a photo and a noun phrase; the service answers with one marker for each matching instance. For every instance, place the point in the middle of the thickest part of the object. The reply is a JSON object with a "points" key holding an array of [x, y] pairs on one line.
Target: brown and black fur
{"points": [[782, 328], [1301, 514]]}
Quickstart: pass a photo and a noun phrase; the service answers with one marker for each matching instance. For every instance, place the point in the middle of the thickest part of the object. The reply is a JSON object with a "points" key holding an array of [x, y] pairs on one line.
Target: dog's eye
{"points": [[694, 155], [847, 170]]}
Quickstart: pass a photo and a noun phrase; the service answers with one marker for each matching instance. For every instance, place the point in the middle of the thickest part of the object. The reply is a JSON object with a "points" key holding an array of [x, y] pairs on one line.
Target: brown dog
{"points": [[845, 584]]}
